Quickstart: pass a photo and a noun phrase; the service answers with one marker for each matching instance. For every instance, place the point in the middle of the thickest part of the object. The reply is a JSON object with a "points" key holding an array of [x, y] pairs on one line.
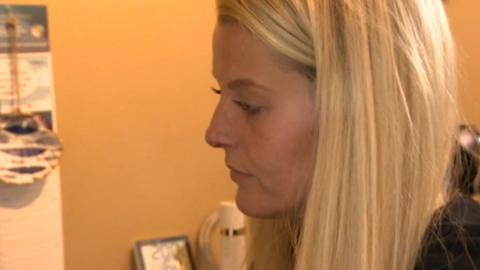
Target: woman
{"points": [[455, 238], [336, 118], [463, 180]]}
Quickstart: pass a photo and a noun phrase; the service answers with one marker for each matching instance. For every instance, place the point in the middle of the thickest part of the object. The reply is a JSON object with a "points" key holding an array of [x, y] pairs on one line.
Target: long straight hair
{"points": [[385, 76]]}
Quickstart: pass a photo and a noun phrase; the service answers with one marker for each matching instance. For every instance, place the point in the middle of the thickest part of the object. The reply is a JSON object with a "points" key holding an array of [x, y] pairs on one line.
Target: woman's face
{"points": [[264, 121]]}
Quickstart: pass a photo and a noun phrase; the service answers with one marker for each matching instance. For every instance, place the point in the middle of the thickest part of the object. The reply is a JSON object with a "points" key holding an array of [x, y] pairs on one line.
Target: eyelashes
{"points": [[245, 106], [216, 91]]}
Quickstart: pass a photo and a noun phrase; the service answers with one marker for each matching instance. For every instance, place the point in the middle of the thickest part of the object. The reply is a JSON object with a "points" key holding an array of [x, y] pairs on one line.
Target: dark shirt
{"points": [[454, 243]]}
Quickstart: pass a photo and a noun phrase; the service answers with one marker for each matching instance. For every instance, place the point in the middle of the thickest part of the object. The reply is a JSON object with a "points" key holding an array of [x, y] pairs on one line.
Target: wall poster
{"points": [[30, 214]]}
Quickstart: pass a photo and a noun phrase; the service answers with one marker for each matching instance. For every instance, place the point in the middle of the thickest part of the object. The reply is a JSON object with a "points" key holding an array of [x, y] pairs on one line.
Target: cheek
{"points": [[282, 170], [283, 158]]}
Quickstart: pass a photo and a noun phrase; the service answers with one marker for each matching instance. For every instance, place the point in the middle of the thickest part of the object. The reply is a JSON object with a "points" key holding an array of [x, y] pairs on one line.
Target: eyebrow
{"points": [[244, 83]]}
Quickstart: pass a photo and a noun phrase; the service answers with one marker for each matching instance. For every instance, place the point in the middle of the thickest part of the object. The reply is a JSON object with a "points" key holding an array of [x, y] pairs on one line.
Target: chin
{"points": [[256, 206]]}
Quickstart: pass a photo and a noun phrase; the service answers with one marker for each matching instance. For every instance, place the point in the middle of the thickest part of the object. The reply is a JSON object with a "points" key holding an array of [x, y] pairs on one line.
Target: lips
{"points": [[238, 176]]}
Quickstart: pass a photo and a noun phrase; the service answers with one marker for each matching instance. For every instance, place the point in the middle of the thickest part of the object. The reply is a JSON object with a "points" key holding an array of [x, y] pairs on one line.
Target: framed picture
{"points": [[172, 253]]}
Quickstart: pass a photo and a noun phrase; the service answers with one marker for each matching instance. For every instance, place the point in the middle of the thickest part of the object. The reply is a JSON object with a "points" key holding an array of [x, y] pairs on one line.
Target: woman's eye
{"points": [[250, 109]]}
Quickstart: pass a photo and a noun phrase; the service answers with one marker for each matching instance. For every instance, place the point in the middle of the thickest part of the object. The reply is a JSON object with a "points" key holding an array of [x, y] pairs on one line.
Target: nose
{"points": [[218, 132]]}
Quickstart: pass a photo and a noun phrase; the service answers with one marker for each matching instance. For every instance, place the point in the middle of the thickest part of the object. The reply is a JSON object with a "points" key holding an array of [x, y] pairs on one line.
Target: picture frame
{"points": [[169, 253]]}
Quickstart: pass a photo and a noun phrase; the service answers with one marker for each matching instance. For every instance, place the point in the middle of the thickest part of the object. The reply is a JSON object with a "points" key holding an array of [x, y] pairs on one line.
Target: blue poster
{"points": [[35, 83], [32, 33]]}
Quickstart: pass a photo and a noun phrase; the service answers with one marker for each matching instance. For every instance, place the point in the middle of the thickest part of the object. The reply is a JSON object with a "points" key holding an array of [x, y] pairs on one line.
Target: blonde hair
{"points": [[385, 77]]}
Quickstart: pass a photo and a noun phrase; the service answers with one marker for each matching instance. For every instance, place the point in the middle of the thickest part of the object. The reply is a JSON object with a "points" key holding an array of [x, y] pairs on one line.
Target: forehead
{"points": [[238, 52]]}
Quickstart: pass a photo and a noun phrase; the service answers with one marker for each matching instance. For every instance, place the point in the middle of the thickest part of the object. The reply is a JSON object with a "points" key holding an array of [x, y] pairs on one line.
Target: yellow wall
{"points": [[132, 79], [465, 20]]}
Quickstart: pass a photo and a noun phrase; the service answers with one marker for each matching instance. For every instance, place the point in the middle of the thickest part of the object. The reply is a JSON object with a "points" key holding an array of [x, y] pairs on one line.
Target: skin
{"points": [[264, 122]]}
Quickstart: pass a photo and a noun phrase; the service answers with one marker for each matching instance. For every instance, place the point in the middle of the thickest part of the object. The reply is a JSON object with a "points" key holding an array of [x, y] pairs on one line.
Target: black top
{"points": [[454, 243]]}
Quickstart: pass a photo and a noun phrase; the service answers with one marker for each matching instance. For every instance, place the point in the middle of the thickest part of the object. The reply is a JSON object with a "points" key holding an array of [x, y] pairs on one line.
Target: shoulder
{"points": [[454, 243]]}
